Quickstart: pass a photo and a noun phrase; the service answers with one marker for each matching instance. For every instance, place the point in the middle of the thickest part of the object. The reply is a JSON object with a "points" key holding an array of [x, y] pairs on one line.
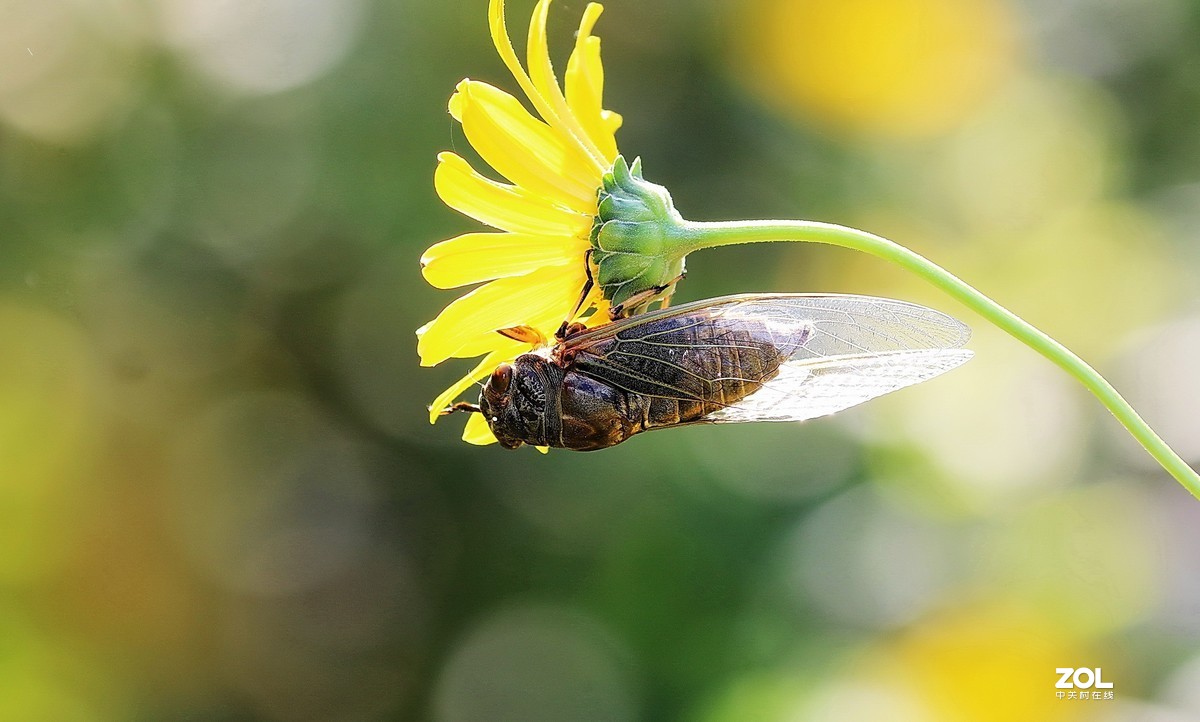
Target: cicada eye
{"points": [[501, 378]]}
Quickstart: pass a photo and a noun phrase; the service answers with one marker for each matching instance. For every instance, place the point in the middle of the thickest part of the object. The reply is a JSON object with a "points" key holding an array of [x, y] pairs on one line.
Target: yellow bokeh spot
{"points": [[48, 430], [979, 664], [879, 67], [992, 662], [45, 676]]}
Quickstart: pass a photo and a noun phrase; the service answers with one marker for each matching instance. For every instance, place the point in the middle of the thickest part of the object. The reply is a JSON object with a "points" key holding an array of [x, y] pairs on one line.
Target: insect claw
{"points": [[623, 310], [666, 299]]}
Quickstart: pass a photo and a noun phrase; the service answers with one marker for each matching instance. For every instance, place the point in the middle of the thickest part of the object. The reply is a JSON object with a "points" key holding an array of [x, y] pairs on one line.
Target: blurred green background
{"points": [[220, 497]]}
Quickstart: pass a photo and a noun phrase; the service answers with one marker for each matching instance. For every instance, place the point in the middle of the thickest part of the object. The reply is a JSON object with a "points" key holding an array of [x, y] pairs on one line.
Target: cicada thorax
{"points": [[593, 414]]}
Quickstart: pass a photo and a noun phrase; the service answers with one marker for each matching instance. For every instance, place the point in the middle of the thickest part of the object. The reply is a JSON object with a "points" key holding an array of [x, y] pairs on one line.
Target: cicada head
{"points": [[516, 400]]}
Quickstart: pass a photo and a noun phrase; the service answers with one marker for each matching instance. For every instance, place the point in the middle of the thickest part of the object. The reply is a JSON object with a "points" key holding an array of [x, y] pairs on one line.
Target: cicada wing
{"points": [[859, 348], [814, 387], [846, 324], [849, 323], [713, 350]]}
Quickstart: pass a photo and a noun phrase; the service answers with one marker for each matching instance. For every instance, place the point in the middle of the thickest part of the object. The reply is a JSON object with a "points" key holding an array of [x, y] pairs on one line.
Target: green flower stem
{"points": [[690, 236]]}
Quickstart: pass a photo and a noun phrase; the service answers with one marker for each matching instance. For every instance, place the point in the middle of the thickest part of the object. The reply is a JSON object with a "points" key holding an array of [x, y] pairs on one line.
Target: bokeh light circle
{"points": [[265, 46], [1159, 373], [270, 497], [883, 67], [70, 68], [536, 663], [49, 433]]}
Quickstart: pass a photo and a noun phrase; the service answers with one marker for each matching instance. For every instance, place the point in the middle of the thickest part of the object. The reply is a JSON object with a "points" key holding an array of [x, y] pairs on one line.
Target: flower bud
{"points": [[632, 237]]}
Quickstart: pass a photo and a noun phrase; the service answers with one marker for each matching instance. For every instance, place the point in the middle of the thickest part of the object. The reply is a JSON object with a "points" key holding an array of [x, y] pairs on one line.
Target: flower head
{"points": [[534, 268]]}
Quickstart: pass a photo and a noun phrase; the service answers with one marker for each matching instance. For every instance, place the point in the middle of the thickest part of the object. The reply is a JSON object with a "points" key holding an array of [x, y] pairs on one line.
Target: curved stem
{"points": [[693, 236]]}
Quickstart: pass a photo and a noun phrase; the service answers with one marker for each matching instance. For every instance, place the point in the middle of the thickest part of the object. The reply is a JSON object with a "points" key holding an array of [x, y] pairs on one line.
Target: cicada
{"points": [[753, 357]]}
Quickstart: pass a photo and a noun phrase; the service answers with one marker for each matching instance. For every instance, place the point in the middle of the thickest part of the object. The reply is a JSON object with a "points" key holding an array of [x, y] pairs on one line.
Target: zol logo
{"points": [[1080, 678]]}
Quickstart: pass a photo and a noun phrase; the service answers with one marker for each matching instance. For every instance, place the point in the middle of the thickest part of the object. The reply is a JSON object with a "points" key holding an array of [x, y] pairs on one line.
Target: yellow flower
{"points": [[535, 267]]}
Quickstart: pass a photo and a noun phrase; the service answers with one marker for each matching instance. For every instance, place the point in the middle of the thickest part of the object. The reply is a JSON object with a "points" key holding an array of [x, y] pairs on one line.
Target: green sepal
{"points": [[633, 235]]}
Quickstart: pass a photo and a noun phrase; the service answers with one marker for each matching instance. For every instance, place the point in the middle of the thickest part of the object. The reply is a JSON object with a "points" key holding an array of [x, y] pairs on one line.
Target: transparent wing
{"points": [[857, 348], [810, 388], [841, 325]]}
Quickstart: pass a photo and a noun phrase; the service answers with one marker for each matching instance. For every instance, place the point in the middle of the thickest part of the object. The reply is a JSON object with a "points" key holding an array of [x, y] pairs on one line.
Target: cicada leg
{"points": [[567, 330], [460, 406], [631, 304], [569, 327], [665, 301], [588, 284]]}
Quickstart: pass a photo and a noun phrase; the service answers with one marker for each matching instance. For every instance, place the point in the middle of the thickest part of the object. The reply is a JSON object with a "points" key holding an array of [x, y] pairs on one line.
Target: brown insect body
{"points": [[722, 360], [671, 368]]}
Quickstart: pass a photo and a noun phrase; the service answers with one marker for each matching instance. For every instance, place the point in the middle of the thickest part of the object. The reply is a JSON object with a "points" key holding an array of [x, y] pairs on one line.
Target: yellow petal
{"points": [[502, 206], [486, 342], [477, 257], [612, 121], [583, 37], [507, 351], [472, 346], [543, 449], [523, 149], [546, 323], [541, 71], [600, 317], [545, 293], [504, 46], [584, 82], [477, 431]]}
